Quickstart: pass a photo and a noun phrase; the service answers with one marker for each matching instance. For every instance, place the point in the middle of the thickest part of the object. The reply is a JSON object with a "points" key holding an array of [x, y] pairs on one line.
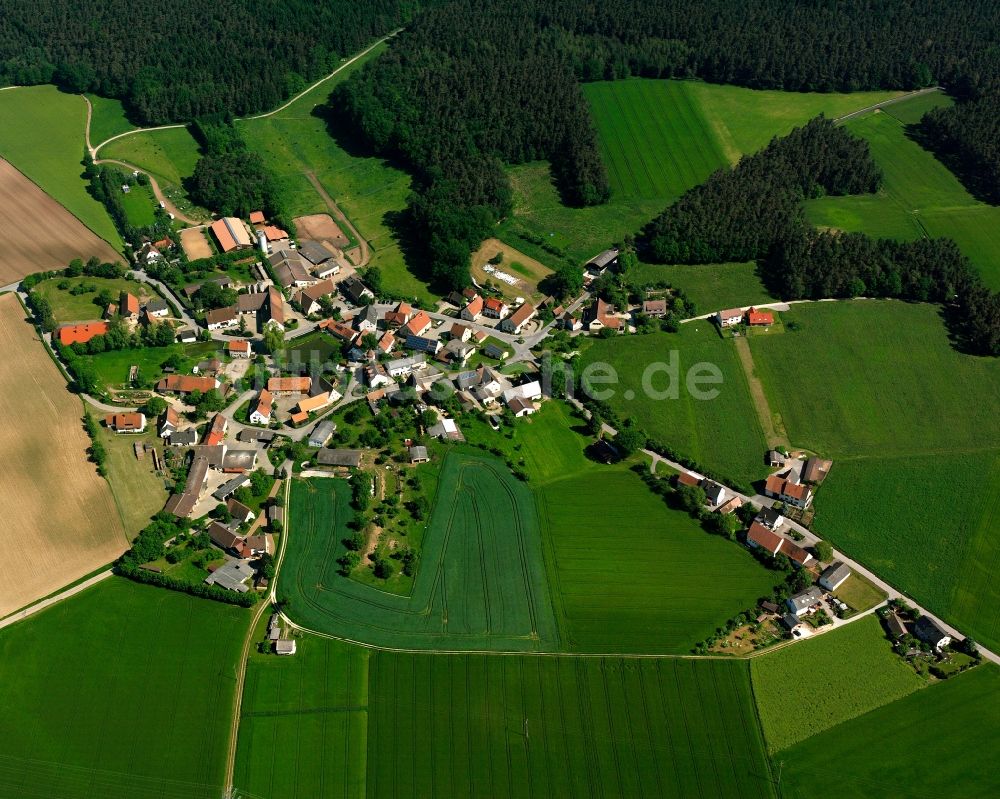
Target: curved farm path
{"points": [[341, 217], [160, 196]]}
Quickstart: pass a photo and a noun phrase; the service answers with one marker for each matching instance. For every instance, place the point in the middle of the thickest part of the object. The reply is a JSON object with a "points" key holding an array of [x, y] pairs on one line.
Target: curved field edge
{"points": [[480, 582]]}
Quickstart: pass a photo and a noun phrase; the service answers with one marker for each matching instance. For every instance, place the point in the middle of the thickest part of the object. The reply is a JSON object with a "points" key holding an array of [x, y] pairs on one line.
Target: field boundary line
{"points": [[42, 604]]}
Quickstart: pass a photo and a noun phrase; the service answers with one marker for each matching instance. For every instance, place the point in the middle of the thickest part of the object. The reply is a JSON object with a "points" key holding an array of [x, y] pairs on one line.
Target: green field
{"points": [[80, 307], [54, 160], [658, 138], [113, 367], [906, 418], [911, 111], [711, 287], [722, 434], [474, 725], [937, 742], [480, 581], [919, 197], [139, 205], [304, 723], [108, 119], [296, 141], [878, 378], [900, 517], [139, 493], [818, 683], [169, 155], [120, 692]]}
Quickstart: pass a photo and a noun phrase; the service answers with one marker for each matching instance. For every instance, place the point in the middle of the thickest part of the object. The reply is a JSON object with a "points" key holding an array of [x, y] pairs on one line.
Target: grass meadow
{"points": [[480, 582], [722, 434], [919, 196], [711, 287], [80, 307], [139, 493], [55, 160], [475, 725], [123, 691], [816, 684], [108, 119], [304, 723], [934, 742]]}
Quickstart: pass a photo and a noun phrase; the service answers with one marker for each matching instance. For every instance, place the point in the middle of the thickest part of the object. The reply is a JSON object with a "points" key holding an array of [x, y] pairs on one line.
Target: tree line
{"points": [[179, 63], [967, 138]]}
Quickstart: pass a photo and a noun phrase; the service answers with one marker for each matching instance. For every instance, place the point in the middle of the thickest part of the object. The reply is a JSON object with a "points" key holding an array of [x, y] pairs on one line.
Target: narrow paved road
{"points": [[884, 103], [52, 600]]}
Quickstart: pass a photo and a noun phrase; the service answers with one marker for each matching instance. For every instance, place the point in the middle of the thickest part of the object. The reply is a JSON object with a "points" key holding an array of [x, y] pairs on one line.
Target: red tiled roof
{"points": [[124, 421], [522, 314], [238, 346], [795, 553], [418, 324], [686, 479], [256, 217], [274, 233], [263, 403], [128, 304], [387, 342], [493, 304], [475, 306], [81, 333], [755, 317], [216, 432], [767, 539], [299, 385], [185, 384]]}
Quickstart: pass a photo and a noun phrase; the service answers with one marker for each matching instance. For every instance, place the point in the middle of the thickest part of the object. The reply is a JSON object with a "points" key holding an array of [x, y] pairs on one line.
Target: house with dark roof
{"points": [[222, 318], [804, 602], [309, 298], [315, 253], [895, 626], [715, 494], [240, 512], [366, 320], [784, 488], [157, 307], [340, 458], [228, 488], [930, 632], [770, 518], [356, 292]]}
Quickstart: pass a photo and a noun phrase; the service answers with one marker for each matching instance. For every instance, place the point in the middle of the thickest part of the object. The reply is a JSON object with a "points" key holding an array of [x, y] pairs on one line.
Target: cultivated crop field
{"points": [[821, 682], [304, 723], [120, 692], [936, 742], [474, 725], [919, 196], [67, 524], [723, 433], [480, 582], [637, 576], [39, 233]]}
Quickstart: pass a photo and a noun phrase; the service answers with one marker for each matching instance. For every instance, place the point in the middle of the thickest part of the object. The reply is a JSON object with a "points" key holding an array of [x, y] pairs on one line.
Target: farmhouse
{"points": [[757, 318], [730, 506], [895, 626], [495, 308], [186, 335], [221, 318], [171, 421], [231, 234], [795, 553], [183, 503], [238, 349], [238, 460], [729, 318], [257, 218], [602, 262], [315, 253], [309, 298], [312, 404], [518, 319], [775, 459], [290, 269], [688, 479], [804, 602], [216, 432], [260, 410], [600, 316], [472, 311], [183, 438], [834, 575], [715, 494], [157, 308], [366, 320], [655, 308], [186, 384], [284, 646], [321, 433], [81, 333], [128, 306], [356, 292], [286, 386], [782, 488], [419, 324], [232, 575], [240, 512], [273, 233], [250, 435], [126, 422], [930, 632], [770, 518], [399, 316], [341, 458], [761, 537]]}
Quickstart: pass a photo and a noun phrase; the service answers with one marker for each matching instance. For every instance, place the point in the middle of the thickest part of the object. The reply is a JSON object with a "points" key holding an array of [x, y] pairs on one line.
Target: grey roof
{"points": [[896, 627], [367, 314], [156, 304], [183, 438], [493, 351], [225, 490], [604, 258], [185, 333], [321, 433], [406, 363], [276, 513], [314, 252], [805, 599], [249, 434], [356, 291], [468, 379], [418, 452], [284, 646], [790, 620], [339, 457], [233, 575], [239, 459], [768, 517], [836, 573]]}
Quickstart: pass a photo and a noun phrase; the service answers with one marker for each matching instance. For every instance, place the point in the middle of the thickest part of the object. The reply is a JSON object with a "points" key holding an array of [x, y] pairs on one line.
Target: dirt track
{"points": [[61, 522], [38, 233]]}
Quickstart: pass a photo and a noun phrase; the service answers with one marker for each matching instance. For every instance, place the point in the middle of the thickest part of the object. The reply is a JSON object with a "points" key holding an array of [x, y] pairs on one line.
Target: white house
{"points": [[802, 603], [261, 409], [715, 494], [403, 366], [832, 577], [729, 318], [528, 391]]}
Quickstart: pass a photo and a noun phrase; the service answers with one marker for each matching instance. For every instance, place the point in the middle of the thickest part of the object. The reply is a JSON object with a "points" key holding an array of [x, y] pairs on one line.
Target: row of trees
{"points": [[235, 56], [967, 137], [738, 214], [106, 187]]}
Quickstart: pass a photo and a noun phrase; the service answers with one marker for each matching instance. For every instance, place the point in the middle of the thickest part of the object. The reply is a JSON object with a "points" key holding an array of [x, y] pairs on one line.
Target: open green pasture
{"points": [[108, 119], [723, 433], [818, 683], [123, 691], [53, 160], [475, 725], [937, 742], [139, 205], [480, 581], [304, 723], [168, 154], [912, 110], [919, 197], [113, 367], [711, 287]]}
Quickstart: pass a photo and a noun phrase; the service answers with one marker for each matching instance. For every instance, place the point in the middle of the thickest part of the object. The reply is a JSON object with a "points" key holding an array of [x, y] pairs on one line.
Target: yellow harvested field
{"points": [[38, 233], [60, 520], [194, 244], [525, 270]]}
